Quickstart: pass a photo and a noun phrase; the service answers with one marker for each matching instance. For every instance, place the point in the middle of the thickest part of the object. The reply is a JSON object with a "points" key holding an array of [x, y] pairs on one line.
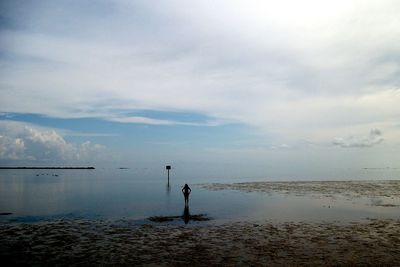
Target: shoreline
{"points": [[84, 242]]}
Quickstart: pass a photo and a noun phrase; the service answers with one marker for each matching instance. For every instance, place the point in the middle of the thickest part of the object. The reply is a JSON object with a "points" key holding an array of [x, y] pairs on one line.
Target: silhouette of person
{"points": [[186, 215], [186, 191]]}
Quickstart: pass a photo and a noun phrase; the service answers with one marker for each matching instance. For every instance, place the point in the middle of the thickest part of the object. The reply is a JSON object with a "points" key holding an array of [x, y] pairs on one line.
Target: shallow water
{"points": [[134, 195]]}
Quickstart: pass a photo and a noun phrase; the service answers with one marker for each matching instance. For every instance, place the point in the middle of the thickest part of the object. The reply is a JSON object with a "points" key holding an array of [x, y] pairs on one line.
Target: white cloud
{"points": [[281, 146], [150, 121], [11, 148], [291, 69], [374, 138], [22, 141]]}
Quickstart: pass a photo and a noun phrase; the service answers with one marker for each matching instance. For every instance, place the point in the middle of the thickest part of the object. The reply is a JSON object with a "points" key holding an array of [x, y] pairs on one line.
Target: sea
{"points": [[137, 194]]}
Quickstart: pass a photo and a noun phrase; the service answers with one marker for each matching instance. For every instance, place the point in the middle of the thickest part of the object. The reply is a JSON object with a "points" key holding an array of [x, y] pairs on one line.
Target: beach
{"points": [[102, 243], [325, 233]]}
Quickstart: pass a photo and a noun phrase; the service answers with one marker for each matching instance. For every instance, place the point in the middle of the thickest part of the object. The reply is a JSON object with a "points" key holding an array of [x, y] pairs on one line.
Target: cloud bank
{"points": [[291, 69], [21, 141], [374, 138]]}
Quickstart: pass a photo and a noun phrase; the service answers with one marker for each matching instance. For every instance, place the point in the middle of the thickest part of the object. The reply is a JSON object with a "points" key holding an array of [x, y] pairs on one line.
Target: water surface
{"points": [[136, 194]]}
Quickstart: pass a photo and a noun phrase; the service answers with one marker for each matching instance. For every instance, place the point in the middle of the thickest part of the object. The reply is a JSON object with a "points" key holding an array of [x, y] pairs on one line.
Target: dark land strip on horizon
{"points": [[47, 168]]}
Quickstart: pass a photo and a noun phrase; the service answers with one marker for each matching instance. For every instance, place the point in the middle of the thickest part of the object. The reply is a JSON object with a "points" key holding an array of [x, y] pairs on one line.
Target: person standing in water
{"points": [[186, 192]]}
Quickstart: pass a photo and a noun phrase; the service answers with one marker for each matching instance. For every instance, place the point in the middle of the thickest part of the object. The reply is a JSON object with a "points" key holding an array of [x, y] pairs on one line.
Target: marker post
{"points": [[168, 167]]}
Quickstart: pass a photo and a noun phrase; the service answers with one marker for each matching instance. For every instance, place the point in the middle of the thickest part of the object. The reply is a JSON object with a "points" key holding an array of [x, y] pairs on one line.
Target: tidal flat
{"points": [[103, 243], [327, 189], [320, 223]]}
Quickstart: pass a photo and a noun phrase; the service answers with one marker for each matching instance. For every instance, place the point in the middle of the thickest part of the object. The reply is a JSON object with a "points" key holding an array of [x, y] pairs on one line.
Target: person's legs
{"points": [[186, 199]]}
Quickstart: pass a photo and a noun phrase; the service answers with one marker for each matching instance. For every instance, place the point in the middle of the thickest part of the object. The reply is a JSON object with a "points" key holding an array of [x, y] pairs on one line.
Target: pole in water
{"points": [[168, 167]]}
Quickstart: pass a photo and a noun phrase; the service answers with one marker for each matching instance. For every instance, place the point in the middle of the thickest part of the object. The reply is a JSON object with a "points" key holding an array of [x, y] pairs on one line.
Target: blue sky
{"points": [[136, 134], [259, 83]]}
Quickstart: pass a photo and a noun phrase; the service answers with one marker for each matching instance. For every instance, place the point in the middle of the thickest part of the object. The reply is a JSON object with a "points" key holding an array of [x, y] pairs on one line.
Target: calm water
{"points": [[114, 194]]}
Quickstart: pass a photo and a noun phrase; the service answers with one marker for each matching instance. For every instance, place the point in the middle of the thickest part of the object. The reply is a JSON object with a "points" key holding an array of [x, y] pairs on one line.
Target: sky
{"points": [[245, 86]]}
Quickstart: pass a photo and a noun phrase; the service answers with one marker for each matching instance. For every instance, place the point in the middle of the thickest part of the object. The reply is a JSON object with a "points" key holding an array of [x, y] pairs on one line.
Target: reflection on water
{"points": [[116, 194], [186, 214]]}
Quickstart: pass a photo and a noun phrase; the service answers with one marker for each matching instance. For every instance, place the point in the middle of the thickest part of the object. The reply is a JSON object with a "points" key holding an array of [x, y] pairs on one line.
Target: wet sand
{"points": [[331, 189], [103, 243]]}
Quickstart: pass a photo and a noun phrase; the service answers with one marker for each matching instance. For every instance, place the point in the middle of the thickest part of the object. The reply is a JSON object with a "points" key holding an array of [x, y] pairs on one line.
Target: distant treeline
{"points": [[51, 168]]}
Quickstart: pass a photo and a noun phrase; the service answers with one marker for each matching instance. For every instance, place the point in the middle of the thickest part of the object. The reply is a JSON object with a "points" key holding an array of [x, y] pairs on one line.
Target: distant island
{"points": [[48, 168]]}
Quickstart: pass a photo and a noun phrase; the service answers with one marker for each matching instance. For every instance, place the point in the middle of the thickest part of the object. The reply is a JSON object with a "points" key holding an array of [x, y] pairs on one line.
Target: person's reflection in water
{"points": [[186, 214]]}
